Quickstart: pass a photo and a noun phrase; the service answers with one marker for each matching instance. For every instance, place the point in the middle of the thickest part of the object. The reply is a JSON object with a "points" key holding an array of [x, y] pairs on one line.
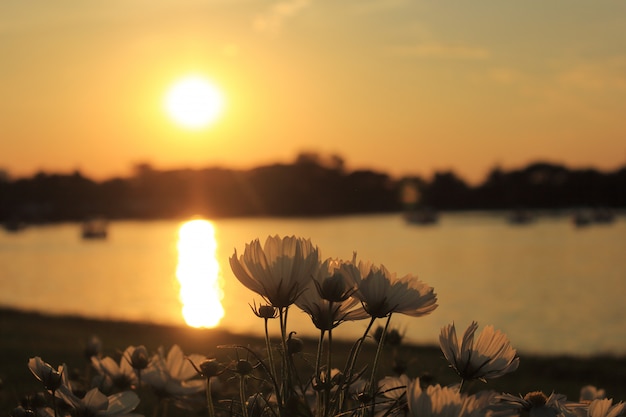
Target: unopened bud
{"points": [[294, 345], [244, 367], [209, 368], [93, 347], [267, 311], [139, 358]]}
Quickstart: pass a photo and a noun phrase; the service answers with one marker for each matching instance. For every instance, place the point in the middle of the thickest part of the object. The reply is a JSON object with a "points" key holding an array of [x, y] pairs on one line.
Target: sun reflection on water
{"points": [[198, 273]]}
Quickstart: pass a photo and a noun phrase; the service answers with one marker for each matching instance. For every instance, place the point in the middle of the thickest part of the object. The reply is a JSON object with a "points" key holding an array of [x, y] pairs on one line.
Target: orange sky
{"points": [[403, 86]]}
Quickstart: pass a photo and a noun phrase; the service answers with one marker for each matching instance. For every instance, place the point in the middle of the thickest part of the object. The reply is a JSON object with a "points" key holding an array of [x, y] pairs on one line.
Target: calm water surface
{"points": [[550, 287]]}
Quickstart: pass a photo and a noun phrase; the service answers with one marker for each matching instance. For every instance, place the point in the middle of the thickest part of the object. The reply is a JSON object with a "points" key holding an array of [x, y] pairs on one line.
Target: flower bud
{"points": [[139, 358], [244, 367], [209, 368], [265, 311], [294, 345], [93, 347]]}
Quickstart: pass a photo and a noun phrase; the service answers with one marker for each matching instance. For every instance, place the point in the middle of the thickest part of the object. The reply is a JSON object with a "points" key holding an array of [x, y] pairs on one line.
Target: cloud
{"points": [[441, 50], [272, 20], [606, 75], [504, 75]]}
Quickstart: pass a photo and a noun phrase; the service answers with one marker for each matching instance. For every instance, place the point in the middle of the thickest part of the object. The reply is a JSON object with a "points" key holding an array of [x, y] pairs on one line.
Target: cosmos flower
{"points": [[279, 271], [122, 375], [383, 293], [171, 374], [391, 398], [604, 407], [489, 356], [51, 378], [138, 357], [95, 403], [536, 404], [328, 299], [433, 401]]}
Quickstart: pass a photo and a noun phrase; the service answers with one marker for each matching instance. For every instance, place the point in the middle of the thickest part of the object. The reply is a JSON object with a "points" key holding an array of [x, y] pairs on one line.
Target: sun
{"points": [[194, 102]]}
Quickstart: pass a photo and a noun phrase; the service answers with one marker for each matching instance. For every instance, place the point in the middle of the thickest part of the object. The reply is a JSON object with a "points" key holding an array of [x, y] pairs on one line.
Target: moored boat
{"points": [[95, 229]]}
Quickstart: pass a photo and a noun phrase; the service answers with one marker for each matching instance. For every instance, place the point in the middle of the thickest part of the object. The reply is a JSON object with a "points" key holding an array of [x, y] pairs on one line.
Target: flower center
{"points": [[536, 398]]}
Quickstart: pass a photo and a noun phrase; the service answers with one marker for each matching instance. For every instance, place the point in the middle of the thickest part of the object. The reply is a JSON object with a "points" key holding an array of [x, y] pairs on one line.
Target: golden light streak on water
{"points": [[198, 273]]}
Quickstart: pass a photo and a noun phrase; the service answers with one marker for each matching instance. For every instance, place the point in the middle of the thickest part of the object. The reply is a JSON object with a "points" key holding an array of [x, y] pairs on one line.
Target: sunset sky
{"points": [[402, 86]]}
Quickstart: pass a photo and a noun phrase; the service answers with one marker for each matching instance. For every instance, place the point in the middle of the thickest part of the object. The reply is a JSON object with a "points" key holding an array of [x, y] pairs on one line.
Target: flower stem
{"points": [[268, 346], [351, 363], [286, 374], [381, 342], [209, 398], [242, 396], [328, 369], [318, 360]]}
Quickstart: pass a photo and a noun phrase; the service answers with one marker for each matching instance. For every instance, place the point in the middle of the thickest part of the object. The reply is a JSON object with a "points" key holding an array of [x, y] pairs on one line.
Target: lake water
{"points": [[551, 287]]}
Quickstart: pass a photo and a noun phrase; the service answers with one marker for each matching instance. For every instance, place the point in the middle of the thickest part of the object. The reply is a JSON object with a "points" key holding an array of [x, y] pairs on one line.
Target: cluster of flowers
{"points": [[288, 271]]}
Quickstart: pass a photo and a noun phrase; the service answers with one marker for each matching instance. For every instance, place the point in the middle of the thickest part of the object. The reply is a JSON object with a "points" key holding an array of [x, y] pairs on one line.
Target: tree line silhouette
{"points": [[312, 185]]}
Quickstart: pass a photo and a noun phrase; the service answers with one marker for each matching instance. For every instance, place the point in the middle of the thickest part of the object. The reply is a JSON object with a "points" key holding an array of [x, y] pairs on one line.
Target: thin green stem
{"points": [[357, 351], [268, 346], [318, 360], [328, 369], [242, 396], [351, 363], [286, 374], [381, 342], [209, 398]]}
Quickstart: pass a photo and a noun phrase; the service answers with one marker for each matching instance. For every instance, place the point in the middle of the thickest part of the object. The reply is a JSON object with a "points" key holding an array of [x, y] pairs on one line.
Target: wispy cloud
{"points": [[271, 21], [441, 50], [609, 74], [504, 75]]}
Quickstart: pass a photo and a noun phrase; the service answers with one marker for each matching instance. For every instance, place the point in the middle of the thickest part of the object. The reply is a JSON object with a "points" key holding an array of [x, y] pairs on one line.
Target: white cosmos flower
{"points": [[489, 356], [51, 378], [536, 404], [279, 271], [120, 375], [383, 293], [172, 375], [604, 407], [433, 401], [95, 403], [328, 298], [391, 398]]}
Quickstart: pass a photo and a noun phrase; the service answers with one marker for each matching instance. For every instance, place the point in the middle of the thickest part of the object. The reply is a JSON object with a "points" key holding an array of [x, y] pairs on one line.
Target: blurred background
{"points": [[478, 146]]}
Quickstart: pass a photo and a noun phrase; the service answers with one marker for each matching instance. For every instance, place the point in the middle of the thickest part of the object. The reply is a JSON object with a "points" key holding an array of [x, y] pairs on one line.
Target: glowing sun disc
{"points": [[194, 102]]}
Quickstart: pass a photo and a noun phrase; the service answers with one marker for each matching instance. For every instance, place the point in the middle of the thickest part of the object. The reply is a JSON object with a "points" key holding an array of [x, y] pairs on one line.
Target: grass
{"points": [[60, 340]]}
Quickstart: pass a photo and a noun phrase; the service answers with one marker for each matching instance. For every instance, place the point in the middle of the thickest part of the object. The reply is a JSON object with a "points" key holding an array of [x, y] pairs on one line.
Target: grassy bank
{"points": [[60, 340]]}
